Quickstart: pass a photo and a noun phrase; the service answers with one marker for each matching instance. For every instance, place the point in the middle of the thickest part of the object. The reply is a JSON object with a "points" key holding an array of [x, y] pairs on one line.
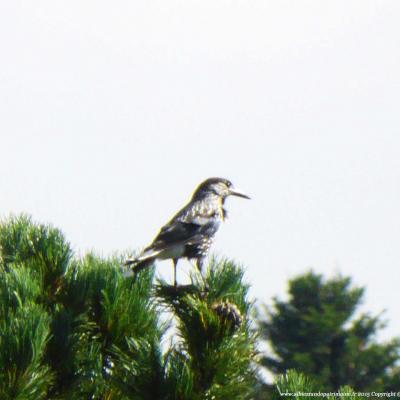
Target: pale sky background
{"points": [[111, 113]]}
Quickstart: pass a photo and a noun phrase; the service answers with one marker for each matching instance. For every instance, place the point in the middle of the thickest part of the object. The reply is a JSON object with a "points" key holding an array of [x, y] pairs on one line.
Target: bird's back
{"points": [[198, 219]]}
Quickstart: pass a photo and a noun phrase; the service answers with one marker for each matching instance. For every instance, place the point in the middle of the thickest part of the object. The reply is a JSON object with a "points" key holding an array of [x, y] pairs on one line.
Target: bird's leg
{"points": [[175, 261], [199, 264]]}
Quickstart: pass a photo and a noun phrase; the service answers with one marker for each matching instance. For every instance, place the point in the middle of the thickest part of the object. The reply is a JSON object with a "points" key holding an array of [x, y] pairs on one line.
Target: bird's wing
{"points": [[187, 226], [176, 233]]}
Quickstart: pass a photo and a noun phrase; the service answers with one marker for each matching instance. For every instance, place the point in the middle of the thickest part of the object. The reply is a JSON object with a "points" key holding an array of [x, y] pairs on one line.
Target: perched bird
{"points": [[189, 234]]}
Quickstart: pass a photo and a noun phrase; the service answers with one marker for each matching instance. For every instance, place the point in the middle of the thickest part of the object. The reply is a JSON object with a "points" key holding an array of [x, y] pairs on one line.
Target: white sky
{"points": [[111, 113]]}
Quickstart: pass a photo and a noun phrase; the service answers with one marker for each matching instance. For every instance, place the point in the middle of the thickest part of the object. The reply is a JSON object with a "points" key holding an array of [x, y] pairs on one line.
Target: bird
{"points": [[190, 232]]}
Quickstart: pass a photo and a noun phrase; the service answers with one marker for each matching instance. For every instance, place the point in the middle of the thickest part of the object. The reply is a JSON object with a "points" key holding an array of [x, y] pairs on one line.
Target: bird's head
{"points": [[218, 187]]}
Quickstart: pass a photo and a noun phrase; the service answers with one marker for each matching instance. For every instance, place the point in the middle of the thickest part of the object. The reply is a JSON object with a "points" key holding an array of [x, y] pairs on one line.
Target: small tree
{"points": [[74, 328], [316, 332]]}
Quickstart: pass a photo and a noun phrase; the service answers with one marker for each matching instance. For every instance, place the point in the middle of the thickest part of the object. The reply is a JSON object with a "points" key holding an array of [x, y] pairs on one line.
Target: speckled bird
{"points": [[190, 233]]}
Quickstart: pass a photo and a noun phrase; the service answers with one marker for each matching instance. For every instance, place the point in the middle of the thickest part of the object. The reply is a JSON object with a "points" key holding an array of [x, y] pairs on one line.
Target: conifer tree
{"points": [[75, 328], [316, 332]]}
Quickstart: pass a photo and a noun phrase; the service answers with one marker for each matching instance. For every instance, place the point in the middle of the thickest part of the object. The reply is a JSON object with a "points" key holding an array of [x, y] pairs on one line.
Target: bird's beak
{"points": [[238, 193]]}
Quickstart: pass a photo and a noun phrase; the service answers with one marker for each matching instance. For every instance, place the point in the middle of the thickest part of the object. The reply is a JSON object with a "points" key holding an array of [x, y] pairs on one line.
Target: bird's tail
{"points": [[135, 265]]}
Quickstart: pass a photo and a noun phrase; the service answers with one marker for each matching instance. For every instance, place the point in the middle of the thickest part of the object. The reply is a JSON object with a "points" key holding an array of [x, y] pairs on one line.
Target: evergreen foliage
{"points": [[297, 386], [213, 351], [316, 332], [74, 328]]}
